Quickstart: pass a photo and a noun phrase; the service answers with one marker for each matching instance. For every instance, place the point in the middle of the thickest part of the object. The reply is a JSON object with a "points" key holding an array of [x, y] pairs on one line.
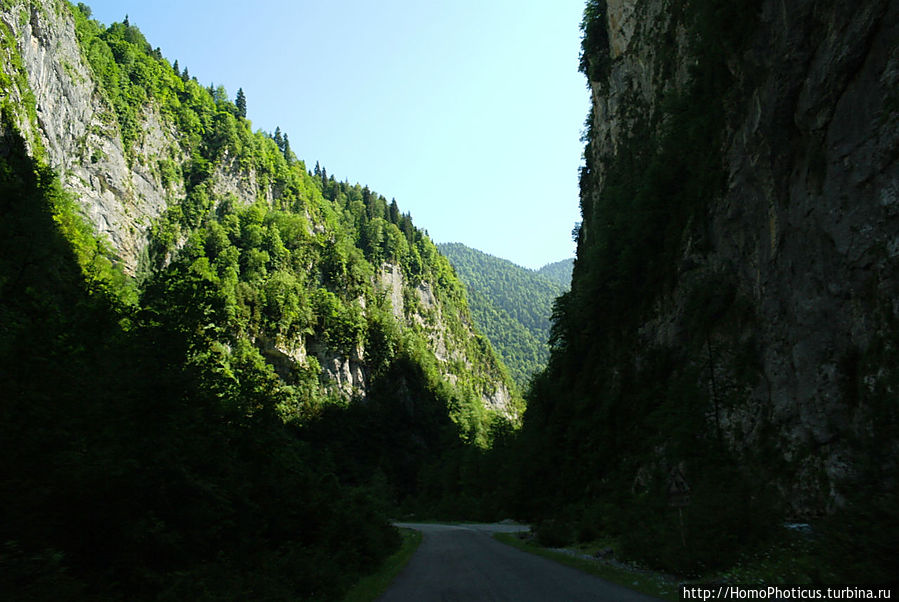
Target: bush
{"points": [[555, 533]]}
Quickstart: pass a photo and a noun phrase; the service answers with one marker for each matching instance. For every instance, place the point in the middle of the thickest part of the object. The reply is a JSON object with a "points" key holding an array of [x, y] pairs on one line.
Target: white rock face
{"points": [[500, 400], [622, 25], [427, 315], [347, 374], [230, 179], [391, 282], [79, 132]]}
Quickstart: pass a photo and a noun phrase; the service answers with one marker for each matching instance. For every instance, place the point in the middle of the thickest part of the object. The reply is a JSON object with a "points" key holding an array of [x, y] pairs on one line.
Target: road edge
{"points": [[372, 586], [640, 582]]}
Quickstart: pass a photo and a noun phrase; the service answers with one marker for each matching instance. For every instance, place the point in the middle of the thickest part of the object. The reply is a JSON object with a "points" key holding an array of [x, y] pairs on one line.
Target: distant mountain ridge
{"points": [[511, 304], [559, 271]]}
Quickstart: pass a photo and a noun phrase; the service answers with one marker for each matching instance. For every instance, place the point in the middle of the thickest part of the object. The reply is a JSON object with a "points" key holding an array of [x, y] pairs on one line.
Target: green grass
{"points": [[374, 585], [652, 585]]}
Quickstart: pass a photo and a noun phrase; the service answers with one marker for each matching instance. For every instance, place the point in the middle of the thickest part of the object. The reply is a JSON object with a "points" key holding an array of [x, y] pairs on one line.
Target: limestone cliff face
{"points": [[120, 193], [419, 308], [80, 133], [348, 374], [66, 119], [805, 229]]}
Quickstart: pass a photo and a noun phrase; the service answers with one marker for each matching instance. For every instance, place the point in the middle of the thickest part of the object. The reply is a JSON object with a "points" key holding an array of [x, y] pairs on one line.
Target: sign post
{"points": [[679, 496]]}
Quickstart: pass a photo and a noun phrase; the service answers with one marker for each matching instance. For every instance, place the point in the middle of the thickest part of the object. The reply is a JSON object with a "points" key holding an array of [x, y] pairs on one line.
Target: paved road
{"points": [[464, 562]]}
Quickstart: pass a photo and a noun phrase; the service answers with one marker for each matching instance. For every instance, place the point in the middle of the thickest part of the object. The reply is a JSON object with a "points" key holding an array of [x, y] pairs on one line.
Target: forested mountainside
{"points": [[219, 367], [559, 272], [510, 304], [726, 357]]}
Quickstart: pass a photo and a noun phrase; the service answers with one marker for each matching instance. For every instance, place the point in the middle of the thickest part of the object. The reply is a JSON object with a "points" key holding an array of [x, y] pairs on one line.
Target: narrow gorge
{"points": [[227, 374]]}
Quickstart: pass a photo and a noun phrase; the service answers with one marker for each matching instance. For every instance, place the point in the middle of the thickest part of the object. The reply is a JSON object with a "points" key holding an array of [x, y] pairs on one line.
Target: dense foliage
{"points": [[510, 304], [299, 267], [185, 434], [134, 466], [559, 272]]}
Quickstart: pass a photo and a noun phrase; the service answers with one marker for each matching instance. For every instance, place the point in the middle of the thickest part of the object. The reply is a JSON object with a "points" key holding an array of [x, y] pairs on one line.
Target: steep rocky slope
{"points": [[134, 167], [804, 231], [77, 129], [731, 331]]}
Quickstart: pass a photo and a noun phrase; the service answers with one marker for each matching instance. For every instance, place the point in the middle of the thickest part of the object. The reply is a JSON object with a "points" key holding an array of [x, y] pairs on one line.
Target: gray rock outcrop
{"points": [[807, 230]]}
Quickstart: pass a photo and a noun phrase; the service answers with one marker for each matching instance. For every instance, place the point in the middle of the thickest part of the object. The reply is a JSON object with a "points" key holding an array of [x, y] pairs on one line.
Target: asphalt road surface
{"points": [[464, 562]]}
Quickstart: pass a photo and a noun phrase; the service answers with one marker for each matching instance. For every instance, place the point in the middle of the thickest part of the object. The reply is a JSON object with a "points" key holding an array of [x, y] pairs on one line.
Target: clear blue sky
{"points": [[468, 112]]}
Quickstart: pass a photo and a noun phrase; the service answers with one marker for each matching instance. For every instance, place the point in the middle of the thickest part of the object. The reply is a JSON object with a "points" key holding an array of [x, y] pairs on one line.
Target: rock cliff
{"points": [[779, 285], [78, 130], [124, 188]]}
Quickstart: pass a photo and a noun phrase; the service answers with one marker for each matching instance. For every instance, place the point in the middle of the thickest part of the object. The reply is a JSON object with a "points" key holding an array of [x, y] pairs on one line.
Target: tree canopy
{"points": [[511, 304]]}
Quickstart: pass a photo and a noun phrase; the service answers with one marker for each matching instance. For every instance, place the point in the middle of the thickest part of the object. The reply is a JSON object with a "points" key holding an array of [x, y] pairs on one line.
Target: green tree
{"points": [[241, 103], [279, 139], [394, 212], [510, 304], [288, 154]]}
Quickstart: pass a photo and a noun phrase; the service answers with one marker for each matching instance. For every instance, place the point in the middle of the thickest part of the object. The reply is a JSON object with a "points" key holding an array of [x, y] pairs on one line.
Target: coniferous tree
{"points": [[286, 149], [368, 201], [279, 140], [241, 102], [394, 212], [175, 67], [318, 170], [185, 75]]}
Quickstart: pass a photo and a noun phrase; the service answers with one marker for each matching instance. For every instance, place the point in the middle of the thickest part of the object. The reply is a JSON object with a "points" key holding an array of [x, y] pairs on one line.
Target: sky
{"points": [[468, 112]]}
